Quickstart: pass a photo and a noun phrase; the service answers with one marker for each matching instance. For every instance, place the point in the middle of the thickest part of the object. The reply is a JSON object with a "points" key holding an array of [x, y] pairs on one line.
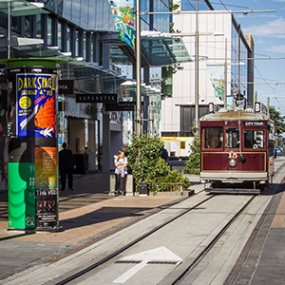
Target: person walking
{"points": [[121, 172], [66, 166]]}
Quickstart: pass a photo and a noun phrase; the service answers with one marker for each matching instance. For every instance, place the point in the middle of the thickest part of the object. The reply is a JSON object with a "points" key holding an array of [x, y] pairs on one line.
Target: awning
{"points": [[158, 49], [21, 8], [163, 49], [88, 77]]}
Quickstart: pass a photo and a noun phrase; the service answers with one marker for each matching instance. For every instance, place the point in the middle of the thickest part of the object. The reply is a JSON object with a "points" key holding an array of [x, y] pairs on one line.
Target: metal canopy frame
{"points": [[21, 8]]}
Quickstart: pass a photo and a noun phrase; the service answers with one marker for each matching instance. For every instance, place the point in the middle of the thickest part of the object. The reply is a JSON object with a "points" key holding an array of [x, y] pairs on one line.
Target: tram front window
{"points": [[253, 139], [213, 137], [232, 138]]}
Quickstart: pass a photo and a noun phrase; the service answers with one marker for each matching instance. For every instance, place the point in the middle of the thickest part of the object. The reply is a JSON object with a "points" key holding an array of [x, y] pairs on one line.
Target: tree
{"points": [[279, 121], [145, 161], [193, 163]]}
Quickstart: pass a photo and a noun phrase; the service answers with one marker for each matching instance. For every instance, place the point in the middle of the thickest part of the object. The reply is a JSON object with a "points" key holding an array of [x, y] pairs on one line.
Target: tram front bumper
{"points": [[234, 177]]}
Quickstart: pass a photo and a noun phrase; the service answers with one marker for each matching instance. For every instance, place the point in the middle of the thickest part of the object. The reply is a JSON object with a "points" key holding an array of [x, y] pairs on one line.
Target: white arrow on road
{"points": [[157, 255]]}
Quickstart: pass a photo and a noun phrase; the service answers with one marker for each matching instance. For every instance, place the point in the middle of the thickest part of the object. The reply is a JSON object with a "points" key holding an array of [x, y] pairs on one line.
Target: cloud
{"points": [[281, 1], [270, 29], [277, 48]]}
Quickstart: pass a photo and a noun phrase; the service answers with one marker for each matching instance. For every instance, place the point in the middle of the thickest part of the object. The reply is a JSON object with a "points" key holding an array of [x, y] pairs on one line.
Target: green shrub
{"points": [[194, 161], [147, 165], [171, 180]]}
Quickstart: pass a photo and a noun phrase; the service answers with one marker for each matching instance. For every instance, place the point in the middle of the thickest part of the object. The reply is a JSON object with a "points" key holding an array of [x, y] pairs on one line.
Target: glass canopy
{"points": [[158, 49], [21, 8]]}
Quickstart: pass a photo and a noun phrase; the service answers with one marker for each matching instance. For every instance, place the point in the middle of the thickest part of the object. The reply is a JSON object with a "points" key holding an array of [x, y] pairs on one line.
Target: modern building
{"points": [[221, 62], [84, 35]]}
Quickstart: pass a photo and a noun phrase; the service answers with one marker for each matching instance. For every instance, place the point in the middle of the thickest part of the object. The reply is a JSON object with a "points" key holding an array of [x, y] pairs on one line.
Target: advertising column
{"points": [[32, 167]]}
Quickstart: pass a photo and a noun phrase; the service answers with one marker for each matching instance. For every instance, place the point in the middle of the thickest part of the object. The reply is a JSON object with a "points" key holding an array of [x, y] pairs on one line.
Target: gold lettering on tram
{"points": [[233, 155]]}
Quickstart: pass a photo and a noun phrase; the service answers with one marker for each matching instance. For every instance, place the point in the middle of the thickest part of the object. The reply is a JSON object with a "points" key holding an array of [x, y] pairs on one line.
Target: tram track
{"points": [[203, 253], [188, 268], [127, 246]]}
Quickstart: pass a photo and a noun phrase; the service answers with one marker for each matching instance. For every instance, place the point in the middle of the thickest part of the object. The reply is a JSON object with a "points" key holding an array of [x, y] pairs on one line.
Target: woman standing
{"points": [[121, 163]]}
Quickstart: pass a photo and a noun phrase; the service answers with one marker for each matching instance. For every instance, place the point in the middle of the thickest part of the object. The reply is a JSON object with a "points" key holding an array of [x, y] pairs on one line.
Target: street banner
{"points": [[123, 13], [36, 96], [216, 74]]}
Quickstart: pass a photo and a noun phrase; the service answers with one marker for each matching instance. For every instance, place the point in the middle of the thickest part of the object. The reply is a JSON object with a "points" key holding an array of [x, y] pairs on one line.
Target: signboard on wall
{"points": [[97, 98]]}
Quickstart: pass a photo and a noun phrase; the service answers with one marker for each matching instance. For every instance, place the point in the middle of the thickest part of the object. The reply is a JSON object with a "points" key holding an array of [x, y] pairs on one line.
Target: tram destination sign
{"points": [[120, 106], [254, 124], [97, 98]]}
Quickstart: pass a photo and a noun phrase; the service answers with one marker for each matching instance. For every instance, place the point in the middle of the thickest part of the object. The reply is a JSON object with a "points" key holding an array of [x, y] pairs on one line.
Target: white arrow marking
{"points": [[157, 255]]}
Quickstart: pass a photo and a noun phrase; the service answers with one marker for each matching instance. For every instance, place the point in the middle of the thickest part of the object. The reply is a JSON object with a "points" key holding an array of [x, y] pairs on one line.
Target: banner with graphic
{"points": [[36, 99], [217, 77], [123, 13]]}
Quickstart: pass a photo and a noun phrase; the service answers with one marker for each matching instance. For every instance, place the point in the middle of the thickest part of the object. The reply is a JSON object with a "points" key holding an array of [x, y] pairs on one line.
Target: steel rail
{"points": [[119, 251], [207, 249]]}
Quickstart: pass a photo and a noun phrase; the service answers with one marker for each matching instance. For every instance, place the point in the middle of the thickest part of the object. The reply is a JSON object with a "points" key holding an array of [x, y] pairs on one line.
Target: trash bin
{"points": [[143, 189]]}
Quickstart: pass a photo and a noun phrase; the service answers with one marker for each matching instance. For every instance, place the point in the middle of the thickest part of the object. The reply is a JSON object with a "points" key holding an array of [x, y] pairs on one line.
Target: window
{"points": [[232, 138], [253, 139], [213, 137], [182, 145]]}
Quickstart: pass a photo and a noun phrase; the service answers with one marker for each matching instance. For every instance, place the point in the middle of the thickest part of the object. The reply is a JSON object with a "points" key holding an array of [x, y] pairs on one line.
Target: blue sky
{"points": [[268, 31]]}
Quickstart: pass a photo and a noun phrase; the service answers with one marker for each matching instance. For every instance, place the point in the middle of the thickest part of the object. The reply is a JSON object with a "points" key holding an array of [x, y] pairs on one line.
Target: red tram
{"points": [[236, 151]]}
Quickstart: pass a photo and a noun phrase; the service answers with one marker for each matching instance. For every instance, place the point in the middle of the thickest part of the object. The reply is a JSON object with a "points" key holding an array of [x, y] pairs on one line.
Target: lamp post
{"points": [[138, 69], [197, 71], [226, 74]]}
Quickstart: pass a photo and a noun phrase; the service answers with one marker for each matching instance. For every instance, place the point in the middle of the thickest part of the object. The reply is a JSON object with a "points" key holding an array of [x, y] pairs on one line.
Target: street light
{"points": [[138, 69]]}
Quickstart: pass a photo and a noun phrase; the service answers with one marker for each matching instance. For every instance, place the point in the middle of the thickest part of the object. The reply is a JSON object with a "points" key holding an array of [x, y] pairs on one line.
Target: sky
{"points": [[268, 31]]}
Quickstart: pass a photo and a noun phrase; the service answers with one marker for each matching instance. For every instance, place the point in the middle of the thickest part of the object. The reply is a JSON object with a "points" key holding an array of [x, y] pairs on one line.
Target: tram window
{"points": [[232, 138], [213, 137], [253, 139]]}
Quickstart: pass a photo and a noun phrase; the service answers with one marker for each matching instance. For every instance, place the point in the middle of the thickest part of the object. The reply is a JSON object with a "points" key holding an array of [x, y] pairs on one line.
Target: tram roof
{"points": [[242, 115]]}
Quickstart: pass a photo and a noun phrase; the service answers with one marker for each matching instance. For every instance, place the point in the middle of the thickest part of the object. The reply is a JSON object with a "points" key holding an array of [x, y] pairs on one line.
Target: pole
{"points": [[138, 69], [9, 31], [226, 74], [197, 70]]}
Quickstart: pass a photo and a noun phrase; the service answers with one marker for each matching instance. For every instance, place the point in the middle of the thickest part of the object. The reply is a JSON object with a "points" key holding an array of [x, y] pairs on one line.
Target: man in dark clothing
{"points": [[66, 166]]}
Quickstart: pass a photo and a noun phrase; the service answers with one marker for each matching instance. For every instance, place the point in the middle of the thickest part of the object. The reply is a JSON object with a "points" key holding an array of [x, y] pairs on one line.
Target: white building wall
{"points": [[214, 28]]}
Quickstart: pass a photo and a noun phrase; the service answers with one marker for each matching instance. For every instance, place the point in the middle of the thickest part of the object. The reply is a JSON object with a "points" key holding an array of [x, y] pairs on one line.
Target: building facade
{"points": [[224, 65], [84, 35]]}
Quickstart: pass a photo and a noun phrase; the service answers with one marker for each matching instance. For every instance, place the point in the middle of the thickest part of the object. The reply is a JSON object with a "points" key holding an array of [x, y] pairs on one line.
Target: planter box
{"points": [[129, 185]]}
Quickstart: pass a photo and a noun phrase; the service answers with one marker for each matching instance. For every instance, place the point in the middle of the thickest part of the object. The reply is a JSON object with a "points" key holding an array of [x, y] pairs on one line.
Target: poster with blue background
{"points": [[36, 109]]}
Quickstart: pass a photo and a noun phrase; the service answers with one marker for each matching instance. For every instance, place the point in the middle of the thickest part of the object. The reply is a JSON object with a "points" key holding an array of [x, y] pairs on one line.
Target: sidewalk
{"points": [[86, 215]]}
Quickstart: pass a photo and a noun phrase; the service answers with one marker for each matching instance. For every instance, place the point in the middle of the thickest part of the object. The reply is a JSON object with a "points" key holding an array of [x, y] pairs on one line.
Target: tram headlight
{"points": [[233, 162]]}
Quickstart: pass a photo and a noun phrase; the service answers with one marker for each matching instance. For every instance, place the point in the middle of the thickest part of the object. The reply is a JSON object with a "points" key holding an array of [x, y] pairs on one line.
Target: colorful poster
{"points": [[217, 77], [36, 99], [46, 186], [123, 13], [46, 208], [45, 167]]}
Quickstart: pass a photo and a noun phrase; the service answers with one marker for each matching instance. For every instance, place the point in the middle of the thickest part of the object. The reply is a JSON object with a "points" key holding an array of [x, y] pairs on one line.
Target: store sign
{"points": [[65, 87], [96, 98], [121, 106]]}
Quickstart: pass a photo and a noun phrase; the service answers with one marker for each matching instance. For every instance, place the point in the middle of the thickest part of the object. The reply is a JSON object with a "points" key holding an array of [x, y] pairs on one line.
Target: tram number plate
{"points": [[233, 155]]}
